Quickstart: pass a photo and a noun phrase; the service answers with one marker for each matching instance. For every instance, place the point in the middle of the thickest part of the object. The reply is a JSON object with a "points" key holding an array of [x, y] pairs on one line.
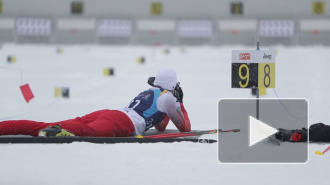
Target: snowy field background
{"points": [[205, 76]]}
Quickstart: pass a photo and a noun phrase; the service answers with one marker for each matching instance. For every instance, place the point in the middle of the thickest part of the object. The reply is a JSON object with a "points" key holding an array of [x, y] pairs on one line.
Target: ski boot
{"points": [[55, 131], [292, 135]]}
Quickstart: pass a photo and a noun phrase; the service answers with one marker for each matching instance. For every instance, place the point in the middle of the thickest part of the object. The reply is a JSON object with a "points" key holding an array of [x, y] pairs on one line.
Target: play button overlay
{"points": [[256, 141], [259, 131]]}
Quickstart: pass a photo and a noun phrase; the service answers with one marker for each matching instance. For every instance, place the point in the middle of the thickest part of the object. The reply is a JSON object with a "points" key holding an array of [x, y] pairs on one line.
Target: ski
{"points": [[106, 140], [194, 133]]}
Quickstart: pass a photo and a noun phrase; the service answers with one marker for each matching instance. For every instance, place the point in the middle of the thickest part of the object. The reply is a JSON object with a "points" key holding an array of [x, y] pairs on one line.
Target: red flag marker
{"points": [[27, 93]]}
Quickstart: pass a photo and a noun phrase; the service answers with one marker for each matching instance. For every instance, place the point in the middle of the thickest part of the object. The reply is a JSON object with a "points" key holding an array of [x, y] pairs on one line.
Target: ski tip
{"points": [[318, 153]]}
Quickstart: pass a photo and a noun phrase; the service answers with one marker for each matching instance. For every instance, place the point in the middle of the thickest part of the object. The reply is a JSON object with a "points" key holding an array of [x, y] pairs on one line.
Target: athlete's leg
{"points": [[112, 123], [23, 127], [104, 123], [27, 127], [79, 126]]}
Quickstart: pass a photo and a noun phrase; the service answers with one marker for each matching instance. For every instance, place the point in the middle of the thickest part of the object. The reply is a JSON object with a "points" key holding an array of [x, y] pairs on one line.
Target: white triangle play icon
{"points": [[259, 131]]}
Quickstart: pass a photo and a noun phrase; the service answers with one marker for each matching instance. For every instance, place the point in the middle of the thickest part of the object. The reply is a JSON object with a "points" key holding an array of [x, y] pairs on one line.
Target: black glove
{"points": [[178, 93], [151, 80]]}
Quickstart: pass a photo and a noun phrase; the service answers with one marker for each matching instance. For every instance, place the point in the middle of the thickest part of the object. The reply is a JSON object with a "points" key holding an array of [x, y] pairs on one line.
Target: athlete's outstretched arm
{"points": [[161, 126], [177, 113], [185, 126]]}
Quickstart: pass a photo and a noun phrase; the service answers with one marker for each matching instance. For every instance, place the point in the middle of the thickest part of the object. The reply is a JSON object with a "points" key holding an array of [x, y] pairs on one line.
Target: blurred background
{"points": [[159, 22], [80, 56]]}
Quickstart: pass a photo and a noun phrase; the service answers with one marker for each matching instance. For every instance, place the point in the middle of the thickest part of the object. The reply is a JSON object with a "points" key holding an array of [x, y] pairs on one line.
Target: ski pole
{"points": [[185, 134], [321, 153]]}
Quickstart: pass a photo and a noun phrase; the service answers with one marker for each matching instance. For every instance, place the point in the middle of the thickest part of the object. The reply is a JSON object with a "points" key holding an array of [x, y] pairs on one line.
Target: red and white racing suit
{"points": [[154, 107]]}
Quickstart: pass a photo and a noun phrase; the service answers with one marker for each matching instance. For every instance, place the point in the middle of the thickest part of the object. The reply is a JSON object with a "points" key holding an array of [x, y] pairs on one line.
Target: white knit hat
{"points": [[166, 78]]}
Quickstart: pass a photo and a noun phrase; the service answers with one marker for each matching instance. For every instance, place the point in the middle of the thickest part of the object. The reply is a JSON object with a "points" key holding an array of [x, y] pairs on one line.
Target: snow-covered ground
{"points": [[205, 76]]}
